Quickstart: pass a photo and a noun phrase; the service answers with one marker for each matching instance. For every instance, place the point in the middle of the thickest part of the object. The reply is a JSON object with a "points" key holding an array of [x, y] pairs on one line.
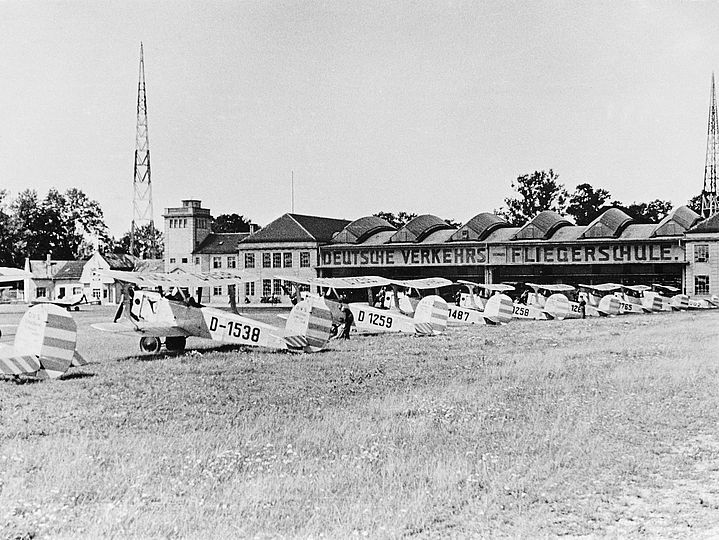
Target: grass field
{"points": [[602, 427]]}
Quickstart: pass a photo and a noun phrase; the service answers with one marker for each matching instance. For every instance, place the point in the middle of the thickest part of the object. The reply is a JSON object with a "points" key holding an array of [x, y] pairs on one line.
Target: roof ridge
{"points": [[300, 224]]}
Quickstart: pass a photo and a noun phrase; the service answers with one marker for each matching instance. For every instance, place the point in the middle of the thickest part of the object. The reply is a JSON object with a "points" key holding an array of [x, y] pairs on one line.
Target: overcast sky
{"points": [[428, 107]]}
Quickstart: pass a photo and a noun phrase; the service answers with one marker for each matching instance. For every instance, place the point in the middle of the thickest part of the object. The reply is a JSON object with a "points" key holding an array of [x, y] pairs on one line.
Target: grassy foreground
{"points": [[595, 427]]}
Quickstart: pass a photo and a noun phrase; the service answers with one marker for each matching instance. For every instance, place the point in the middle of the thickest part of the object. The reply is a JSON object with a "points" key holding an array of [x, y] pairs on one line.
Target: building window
{"points": [[266, 260], [197, 260], [249, 288], [266, 287], [172, 260], [231, 262], [277, 287], [184, 260], [277, 260], [701, 253], [76, 290], [304, 259], [184, 223], [96, 294], [217, 291], [216, 262], [287, 260], [41, 292], [249, 260], [701, 285], [304, 287], [61, 293]]}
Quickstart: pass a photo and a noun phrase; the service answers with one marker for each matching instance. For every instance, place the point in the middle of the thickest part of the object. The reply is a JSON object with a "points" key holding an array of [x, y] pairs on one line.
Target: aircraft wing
{"points": [[426, 283], [553, 287], [604, 287], [173, 279], [359, 282], [156, 330], [8, 274], [636, 288]]}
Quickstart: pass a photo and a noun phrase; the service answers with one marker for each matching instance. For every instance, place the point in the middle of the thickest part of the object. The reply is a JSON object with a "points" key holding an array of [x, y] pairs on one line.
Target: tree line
{"points": [[67, 225], [541, 190]]}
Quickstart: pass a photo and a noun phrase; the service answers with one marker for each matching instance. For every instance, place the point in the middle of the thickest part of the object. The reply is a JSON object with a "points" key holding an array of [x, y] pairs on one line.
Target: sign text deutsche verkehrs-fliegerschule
{"points": [[645, 252]]}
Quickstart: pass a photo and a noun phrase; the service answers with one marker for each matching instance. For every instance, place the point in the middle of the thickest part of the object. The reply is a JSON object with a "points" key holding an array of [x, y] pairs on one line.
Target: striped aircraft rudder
{"points": [[499, 309], [308, 326], [430, 316], [609, 305], [557, 306], [44, 343]]}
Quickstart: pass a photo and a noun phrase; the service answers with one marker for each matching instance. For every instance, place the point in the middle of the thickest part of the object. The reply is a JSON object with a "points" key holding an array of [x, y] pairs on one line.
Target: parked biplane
{"points": [[472, 308], [71, 302], [428, 315], [671, 297], [44, 345], [162, 311]]}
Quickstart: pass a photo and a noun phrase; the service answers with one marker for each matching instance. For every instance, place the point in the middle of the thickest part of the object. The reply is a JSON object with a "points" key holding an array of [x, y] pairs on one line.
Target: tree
{"points": [[61, 224], [143, 242], [8, 234], [651, 212], [229, 223], [538, 191], [398, 220], [695, 203], [586, 202]]}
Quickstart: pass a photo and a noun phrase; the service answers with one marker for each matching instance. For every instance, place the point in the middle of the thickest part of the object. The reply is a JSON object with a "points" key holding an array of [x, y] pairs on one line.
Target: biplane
{"points": [[671, 297], [162, 312], [553, 300], [472, 308], [425, 316], [44, 345], [71, 302]]}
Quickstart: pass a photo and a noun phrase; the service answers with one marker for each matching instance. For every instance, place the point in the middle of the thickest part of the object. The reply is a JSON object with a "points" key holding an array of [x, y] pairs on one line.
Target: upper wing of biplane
{"points": [[493, 287], [603, 287], [173, 279], [8, 274], [424, 283], [360, 282], [554, 287], [636, 288]]}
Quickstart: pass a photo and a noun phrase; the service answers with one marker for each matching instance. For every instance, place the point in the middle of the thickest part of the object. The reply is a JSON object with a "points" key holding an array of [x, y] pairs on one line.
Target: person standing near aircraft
{"points": [[348, 320]]}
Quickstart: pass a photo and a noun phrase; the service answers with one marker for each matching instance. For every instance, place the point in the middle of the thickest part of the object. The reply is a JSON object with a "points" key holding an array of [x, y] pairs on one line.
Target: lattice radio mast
{"points": [[142, 198], [710, 203]]}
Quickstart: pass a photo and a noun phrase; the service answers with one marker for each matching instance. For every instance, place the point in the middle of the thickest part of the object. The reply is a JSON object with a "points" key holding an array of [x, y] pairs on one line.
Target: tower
{"points": [[142, 186], [710, 203]]}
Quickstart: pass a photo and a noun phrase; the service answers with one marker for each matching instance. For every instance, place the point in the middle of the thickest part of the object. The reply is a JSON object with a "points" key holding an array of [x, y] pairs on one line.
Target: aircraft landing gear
{"points": [[150, 345], [175, 344]]}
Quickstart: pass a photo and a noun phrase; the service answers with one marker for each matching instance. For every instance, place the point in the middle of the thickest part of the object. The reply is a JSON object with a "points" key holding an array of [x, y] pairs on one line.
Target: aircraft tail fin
{"points": [[680, 302], [308, 326], [609, 305], [44, 343], [430, 315], [557, 306], [498, 309]]}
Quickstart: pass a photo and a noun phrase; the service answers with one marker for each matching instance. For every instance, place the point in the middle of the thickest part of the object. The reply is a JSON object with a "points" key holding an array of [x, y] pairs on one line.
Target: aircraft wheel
{"points": [[150, 345], [175, 344]]}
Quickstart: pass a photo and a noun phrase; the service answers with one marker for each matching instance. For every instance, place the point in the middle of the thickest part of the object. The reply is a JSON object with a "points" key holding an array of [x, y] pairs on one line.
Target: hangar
{"points": [[547, 249]]}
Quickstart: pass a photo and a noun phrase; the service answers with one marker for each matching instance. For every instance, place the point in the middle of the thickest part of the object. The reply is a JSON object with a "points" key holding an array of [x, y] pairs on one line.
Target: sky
{"points": [[421, 106]]}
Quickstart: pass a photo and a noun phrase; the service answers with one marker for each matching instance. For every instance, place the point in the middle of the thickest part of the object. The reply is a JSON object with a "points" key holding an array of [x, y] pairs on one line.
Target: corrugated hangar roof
{"points": [[542, 226], [677, 222], [637, 231], [709, 225], [361, 229], [610, 224], [419, 228], [479, 227]]}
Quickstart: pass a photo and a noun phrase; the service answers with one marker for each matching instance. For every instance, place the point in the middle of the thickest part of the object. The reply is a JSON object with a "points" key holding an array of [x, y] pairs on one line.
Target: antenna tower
{"points": [[142, 197], [710, 202]]}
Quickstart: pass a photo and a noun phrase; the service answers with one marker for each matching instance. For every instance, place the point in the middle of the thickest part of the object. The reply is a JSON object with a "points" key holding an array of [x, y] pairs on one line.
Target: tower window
{"points": [[249, 260], [701, 285], [287, 260], [701, 253]]}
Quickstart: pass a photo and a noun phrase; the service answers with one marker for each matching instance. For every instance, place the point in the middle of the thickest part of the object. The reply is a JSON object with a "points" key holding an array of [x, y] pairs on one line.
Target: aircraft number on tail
{"points": [[458, 314], [375, 319], [521, 311], [235, 329]]}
